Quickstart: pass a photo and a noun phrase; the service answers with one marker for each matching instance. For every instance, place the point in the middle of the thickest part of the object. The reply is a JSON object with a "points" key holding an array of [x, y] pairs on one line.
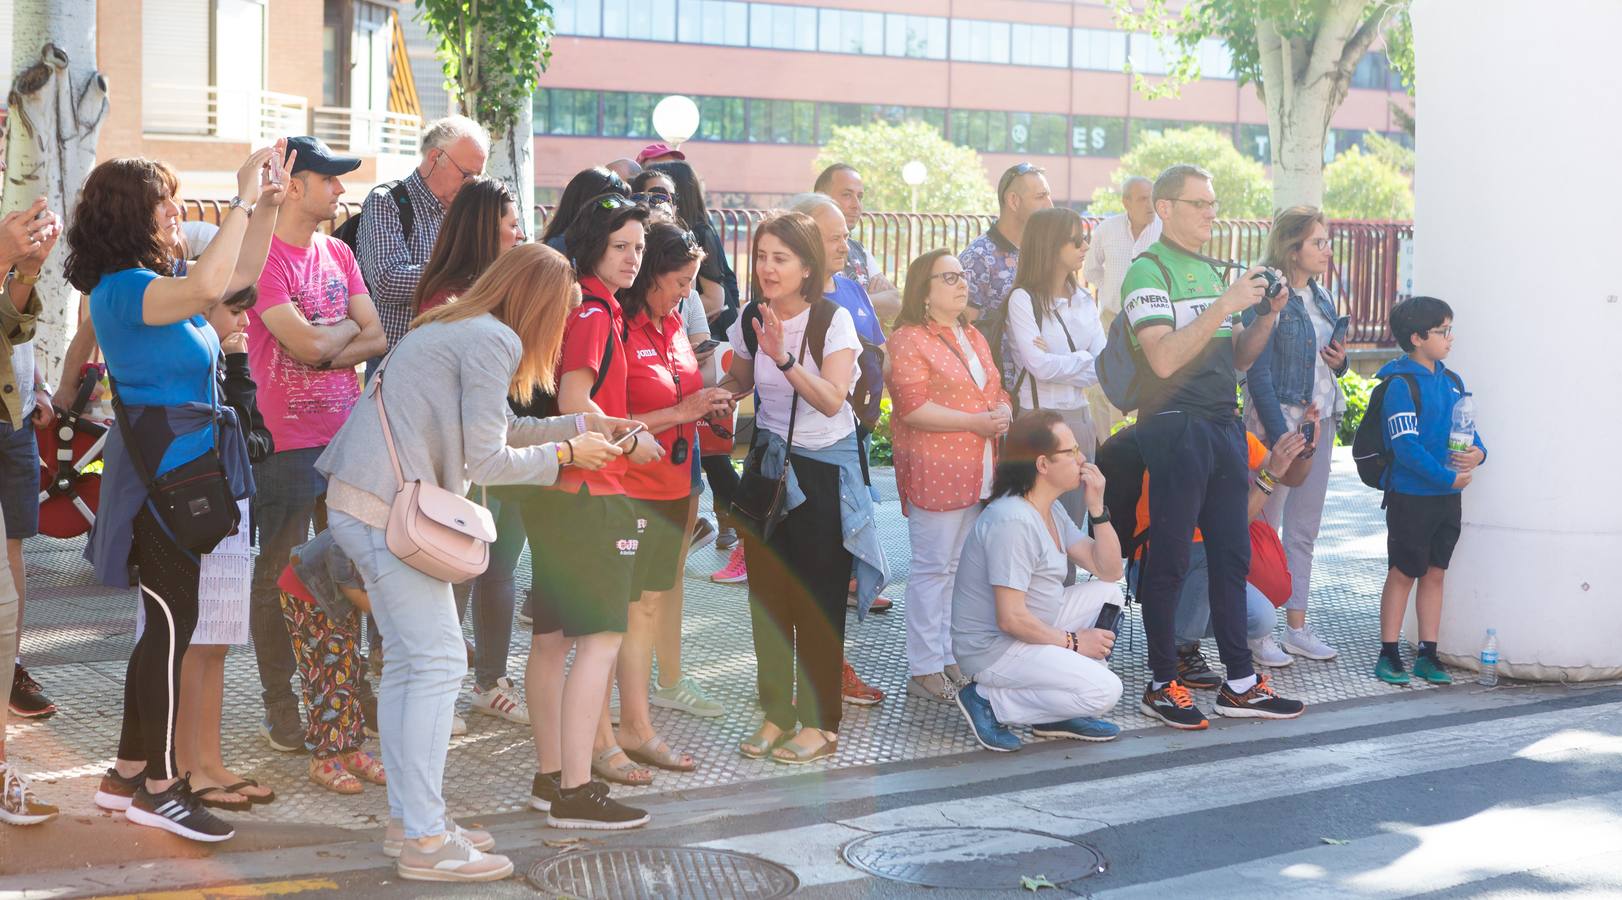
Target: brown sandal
{"points": [[625, 773], [364, 766], [791, 755], [757, 747], [331, 774], [657, 752]]}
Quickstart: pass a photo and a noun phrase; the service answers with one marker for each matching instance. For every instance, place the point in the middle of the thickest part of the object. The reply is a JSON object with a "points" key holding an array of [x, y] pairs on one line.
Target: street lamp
{"points": [[914, 173], [675, 119]]}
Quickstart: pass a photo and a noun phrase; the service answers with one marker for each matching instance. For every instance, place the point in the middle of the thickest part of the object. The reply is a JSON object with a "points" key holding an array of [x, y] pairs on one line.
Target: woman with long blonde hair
{"points": [[444, 390]]}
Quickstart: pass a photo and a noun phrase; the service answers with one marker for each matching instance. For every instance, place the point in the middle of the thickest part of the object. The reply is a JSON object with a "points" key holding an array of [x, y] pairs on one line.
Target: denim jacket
{"points": [[1284, 372], [858, 526], [323, 568]]}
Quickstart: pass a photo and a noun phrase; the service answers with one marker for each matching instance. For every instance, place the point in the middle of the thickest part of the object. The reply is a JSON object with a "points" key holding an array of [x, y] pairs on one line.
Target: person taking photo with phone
{"points": [[1298, 368]]}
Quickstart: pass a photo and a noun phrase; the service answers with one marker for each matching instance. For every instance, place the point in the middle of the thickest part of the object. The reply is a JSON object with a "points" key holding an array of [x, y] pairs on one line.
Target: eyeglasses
{"points": [[1201, 205], [1074, 452], [950, 279], [466, 175], [1446, 331], [1320, 243]]}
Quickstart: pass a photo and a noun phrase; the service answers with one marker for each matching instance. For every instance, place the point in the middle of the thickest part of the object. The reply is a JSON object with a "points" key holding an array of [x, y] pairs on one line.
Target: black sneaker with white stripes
{"points": [[1257, 703], [178, 811]]}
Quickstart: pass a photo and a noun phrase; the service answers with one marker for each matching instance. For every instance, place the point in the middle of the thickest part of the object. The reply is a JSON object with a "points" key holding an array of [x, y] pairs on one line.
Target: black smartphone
{"points": [[710, 344], [1109, 617], [1342, 326], [1309, 430]]}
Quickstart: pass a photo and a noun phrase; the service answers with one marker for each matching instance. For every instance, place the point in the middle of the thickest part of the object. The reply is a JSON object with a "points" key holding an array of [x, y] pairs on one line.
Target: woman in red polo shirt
{"points": [[665, 391], [950, 408], [583, 537]]}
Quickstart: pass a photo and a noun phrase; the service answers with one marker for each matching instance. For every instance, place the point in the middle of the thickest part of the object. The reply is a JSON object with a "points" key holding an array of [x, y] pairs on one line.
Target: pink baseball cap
{"points": [[654, 151]]}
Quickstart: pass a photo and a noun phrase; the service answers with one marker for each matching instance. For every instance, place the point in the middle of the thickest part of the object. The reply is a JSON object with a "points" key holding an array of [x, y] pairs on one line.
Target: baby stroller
{"points": [[70, 465]]}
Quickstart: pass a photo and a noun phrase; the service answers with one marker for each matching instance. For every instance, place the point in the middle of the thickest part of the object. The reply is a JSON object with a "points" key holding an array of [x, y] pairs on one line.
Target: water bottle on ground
{"points": [[1462, 436], [1489, 659]]}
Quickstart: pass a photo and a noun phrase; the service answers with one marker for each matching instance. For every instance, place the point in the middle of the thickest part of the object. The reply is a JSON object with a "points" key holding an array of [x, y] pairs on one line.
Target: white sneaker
{"points": [[1303, 642], [501, 701], [455, 859], [1265, 652], [394, 836], [458, 725]]}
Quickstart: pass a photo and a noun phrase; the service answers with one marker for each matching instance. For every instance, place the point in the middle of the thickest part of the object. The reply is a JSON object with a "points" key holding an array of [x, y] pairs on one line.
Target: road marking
{"points": [[263, 889]]}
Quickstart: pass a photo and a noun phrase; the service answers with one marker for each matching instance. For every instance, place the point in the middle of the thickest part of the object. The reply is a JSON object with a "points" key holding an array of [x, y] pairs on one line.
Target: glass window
{"points": [[1215, 59], [639, 19], [690, 21], [737, 23], [873, 33], [664, 20], [1253, 141], [1145, 128], [804, 129], [1038, 45], [1097, 136], [937, 38], [639, 114], [1146, 55], [614, 114], [1098, 48], [578, 17], [616, 19], [1374, 73]]}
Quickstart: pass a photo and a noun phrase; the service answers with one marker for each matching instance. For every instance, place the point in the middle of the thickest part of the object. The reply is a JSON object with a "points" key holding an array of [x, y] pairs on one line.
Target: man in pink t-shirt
{"points": [[313, 324]]}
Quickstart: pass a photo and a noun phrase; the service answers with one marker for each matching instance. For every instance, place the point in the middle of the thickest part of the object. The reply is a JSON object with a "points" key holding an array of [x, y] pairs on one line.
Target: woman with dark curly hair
{"points": [[162, 354], [585, 186]]}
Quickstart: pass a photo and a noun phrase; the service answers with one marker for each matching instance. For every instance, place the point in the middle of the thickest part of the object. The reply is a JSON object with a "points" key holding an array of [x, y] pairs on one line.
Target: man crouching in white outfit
{"points": [[1023, 628]]}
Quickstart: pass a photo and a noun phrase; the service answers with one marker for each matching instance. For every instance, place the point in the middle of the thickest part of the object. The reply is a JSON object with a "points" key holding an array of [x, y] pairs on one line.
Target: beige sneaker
{"points": [[454, 860], [18, 805], [394, 837]]}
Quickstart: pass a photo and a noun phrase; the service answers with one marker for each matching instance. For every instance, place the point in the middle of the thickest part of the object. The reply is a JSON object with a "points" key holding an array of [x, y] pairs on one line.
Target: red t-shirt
{"points": [[584, 339], [662, 370]]}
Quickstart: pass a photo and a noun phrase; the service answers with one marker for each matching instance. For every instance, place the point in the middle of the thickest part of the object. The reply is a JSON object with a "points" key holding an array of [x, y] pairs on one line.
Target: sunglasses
{"points": [[1079, 241], [651, 198], [614, 201], [1009, 176]]}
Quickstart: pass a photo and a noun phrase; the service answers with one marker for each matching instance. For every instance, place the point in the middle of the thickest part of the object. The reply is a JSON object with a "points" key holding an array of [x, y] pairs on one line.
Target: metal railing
{"points": [[367, 131], [1363, 278], [207, 110]]}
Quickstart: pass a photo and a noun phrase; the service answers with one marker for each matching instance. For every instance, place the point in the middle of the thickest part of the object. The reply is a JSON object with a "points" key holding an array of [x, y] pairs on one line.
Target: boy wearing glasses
{"points": [[1425, 480]]}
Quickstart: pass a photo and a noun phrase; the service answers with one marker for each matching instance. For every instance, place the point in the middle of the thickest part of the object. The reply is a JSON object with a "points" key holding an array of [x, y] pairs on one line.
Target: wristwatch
{"points": [[237, 203], [1099, 519], [784, 367]]}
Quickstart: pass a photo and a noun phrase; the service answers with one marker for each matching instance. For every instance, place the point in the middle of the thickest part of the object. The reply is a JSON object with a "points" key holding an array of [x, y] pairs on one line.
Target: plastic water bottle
{"points": [[1489, 659], [1462, 436]]}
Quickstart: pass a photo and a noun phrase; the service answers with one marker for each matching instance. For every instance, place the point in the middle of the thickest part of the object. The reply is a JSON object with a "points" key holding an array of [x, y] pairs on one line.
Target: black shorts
{"points": [[1421, 531], [582, 555], [663, 525]]}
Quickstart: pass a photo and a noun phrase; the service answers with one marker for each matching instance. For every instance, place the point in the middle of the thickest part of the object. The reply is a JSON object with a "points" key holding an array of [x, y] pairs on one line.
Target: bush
{"points": [[880, 451], [1356, 388], [1240, 182]]}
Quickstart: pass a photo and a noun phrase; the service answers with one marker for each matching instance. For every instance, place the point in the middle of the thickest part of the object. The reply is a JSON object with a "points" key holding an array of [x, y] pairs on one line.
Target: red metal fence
{"points": [[1363, 279]]}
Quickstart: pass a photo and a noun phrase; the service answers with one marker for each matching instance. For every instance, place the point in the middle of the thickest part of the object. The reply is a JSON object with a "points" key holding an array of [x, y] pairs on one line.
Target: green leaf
{"points": [[1037, 883]]}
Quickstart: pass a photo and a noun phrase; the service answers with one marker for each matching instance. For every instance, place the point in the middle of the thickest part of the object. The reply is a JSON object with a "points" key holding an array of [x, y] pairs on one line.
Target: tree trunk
{"points": [[58, 102], [512, 155]]}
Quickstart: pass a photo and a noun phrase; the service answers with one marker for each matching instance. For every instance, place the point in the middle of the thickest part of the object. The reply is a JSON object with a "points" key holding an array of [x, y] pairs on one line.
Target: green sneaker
{"points": [[1390, 672], [687, 696], [1426, 668]]}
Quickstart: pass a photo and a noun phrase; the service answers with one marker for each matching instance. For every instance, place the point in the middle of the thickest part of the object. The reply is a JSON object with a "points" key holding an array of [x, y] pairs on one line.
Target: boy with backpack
{"points": [[1412, 410]]}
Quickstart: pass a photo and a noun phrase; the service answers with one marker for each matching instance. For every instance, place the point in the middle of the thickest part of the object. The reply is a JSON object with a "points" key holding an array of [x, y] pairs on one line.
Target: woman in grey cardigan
{"points": [[446, 387]]}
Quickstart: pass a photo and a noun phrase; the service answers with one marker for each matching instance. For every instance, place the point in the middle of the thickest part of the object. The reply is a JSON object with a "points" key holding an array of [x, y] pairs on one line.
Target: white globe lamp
{"points": [[675, 119]]}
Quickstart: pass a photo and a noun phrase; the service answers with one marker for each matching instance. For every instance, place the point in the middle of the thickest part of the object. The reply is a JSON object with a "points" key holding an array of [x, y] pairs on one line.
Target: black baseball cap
{"points": [[315, 156]]}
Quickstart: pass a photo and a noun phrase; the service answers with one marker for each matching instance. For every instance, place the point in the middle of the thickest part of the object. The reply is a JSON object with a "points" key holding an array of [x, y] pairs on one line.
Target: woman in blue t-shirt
{"points": [[122, 250]]}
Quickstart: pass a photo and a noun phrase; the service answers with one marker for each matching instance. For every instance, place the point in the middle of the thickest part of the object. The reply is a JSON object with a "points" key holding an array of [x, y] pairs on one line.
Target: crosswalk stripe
{"points": [[1075, 809]]}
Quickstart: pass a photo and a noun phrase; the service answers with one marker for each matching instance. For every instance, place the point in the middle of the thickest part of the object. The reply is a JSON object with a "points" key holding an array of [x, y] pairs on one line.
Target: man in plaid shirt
{"points": [[454, 150]]}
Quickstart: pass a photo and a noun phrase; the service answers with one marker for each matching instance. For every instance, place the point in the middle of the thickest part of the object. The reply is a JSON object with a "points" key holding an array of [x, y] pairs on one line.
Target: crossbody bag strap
{"points": [[383, 419], [794, 402]]}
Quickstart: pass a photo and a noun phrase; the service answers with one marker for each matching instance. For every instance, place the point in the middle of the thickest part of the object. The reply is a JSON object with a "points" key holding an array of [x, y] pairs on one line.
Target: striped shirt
{"points": [[391, 264]]}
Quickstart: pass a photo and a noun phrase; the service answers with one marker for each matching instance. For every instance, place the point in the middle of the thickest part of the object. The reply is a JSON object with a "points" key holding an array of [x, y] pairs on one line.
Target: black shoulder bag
{"points": [[193, 502], [760, 503]]}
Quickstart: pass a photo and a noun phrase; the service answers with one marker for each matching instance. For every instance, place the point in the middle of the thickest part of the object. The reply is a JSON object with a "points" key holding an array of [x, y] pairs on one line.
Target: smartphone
{"points": [[1309, 430], [1109, 617], [624, 440], [1342, 325], [708, 345]]}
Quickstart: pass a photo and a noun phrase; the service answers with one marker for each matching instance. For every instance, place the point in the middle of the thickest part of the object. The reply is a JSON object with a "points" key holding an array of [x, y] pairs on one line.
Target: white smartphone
{"points": [[624, 440]]}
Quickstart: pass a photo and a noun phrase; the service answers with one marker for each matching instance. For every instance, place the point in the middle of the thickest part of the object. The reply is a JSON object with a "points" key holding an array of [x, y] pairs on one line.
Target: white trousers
{"points": [[1033, 684], [1300, 510], [937, 542]]}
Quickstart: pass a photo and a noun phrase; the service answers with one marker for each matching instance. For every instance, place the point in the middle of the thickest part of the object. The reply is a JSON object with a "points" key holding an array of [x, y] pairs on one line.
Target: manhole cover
{"points": [[662, 873], [971, 858]]}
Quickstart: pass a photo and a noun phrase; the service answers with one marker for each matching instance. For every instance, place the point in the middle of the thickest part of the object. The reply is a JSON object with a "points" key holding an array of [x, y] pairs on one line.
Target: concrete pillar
{"points": [[1518, 226]]}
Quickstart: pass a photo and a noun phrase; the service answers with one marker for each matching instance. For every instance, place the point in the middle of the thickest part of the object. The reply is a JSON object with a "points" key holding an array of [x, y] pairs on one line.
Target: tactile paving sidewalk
{"points": [[77, 637]]}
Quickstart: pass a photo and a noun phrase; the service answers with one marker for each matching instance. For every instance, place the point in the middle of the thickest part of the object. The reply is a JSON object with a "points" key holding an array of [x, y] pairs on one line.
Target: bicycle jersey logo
{"points": [[626, 547]]}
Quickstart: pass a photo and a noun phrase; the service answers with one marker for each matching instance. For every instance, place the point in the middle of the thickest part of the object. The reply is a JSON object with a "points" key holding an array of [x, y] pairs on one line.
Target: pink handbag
{"points": [[439, 533]]}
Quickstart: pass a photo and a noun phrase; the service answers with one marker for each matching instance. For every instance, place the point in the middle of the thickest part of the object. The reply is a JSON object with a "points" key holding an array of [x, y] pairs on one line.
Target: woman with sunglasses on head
{"points": [[949, 410], [584, 539], [481, 225], [664, 391], [799, 572], [585, 186], [653, 184], [1298, 369], [148, 308], [1054, 331]]}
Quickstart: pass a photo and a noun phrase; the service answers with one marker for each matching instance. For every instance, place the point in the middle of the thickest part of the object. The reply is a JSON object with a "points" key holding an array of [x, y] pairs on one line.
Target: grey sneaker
{"points": [[394, 837], [1303, 642], [1265, 652], [688, 697], [456, 859]]}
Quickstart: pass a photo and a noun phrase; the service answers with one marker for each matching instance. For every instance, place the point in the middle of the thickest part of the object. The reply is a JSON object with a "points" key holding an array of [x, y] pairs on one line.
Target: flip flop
{"points": [[621, 774], [205, 795], [255, 799], [657, 752]]}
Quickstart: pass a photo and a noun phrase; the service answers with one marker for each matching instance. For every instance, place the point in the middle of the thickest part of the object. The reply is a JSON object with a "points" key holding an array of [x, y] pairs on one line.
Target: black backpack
{"points": [[349, 231], [1121, 461], [1370, 450], [544, 403], [866, 390]]}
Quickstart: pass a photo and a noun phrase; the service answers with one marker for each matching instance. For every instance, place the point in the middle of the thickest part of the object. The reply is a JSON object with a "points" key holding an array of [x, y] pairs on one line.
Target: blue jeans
{"points": [[290, 489], [493, 592], [417, 699], [1192, 621]]}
